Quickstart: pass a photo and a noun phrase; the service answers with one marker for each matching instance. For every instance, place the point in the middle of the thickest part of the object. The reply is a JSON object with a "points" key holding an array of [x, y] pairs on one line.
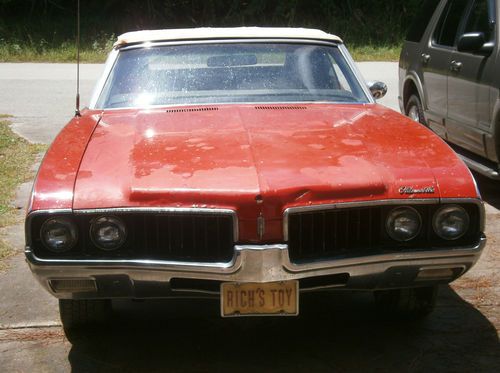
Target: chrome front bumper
{"points": [[267, 263]]}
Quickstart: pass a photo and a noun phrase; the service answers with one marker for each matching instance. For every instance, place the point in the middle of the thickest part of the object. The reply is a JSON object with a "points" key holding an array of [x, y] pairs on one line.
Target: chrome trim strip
{"points": [[200, 210], [357, 73], [261, 247], [195, 291], [387, 202], [173, 266], [174, 210], [253, 40], [96, 93], [483, 169]]}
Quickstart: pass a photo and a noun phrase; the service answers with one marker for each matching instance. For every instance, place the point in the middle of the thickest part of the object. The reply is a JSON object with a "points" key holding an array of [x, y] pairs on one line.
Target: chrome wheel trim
{"points": [[414, 114]]}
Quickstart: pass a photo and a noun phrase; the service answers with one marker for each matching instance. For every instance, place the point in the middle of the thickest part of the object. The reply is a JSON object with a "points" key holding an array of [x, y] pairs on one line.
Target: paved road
{"points": [[333, 333], [42, 96]]}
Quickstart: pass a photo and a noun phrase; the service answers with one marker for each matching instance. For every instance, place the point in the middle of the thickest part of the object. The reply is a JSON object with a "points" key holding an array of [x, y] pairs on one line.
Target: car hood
{"points": [[263, 159]]}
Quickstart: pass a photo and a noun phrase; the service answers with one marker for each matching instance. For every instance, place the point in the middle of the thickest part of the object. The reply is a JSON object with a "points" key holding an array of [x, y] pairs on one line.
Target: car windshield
{"points": [[230, 73]]}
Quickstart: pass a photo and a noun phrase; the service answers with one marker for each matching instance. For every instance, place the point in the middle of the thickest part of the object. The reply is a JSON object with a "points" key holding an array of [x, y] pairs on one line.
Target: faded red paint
{"points": [[54, 184], [226, 158]]}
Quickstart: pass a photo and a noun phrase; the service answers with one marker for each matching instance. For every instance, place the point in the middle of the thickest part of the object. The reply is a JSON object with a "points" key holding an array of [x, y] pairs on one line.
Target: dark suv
{"points": [[449, 77]]}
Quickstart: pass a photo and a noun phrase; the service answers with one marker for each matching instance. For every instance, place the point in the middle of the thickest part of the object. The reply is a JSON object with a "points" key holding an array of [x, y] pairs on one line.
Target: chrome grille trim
{"points": [[172, 211], [388, 202], [357, 229]]}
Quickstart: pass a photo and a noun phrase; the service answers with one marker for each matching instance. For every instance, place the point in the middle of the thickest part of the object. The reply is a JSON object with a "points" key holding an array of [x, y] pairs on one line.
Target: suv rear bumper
{"points": [[89, 279]]}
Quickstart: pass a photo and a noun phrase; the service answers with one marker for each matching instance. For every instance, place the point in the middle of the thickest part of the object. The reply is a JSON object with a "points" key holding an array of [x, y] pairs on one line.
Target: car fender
{"points": [[413, 77]]}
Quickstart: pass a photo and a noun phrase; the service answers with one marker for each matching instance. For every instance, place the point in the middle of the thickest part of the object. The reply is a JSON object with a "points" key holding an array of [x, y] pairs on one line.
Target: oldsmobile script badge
{"points": [[411, 190]]}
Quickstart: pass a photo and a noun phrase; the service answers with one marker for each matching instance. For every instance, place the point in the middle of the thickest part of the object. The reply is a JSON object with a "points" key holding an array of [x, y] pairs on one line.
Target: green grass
{"points": [[16, 159], [41, 51], [53, 56], [375, 53]]}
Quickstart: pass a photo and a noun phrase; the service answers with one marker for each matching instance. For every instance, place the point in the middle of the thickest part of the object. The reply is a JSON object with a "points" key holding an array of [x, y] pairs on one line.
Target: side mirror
{"points": [[377, 89], [474, 42]]}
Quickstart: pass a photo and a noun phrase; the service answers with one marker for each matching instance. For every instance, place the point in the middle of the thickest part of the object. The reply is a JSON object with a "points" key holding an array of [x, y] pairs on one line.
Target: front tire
{"points": [[79, 313], [413, 303], [414, 110]]}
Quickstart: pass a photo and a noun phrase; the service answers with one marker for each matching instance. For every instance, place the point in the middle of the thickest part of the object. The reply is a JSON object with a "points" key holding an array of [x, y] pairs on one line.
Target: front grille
{"points": [[183, 236], [360, 231]]}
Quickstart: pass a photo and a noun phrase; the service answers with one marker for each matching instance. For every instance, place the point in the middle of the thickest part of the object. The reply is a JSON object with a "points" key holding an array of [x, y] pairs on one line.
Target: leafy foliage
{"points": [[44, 23]]}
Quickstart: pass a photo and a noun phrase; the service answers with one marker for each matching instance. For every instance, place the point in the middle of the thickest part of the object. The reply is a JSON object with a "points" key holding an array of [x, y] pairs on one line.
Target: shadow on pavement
{"points": [[335, 332]]}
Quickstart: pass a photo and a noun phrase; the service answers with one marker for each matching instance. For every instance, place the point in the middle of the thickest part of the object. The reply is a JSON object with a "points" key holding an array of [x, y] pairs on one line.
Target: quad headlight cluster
{"points": [[60, 234], [450, 223], [108, 233]]}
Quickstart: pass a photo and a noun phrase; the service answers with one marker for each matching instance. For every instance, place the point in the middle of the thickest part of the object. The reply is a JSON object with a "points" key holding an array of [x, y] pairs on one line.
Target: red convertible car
{"points": [[252, 165]]}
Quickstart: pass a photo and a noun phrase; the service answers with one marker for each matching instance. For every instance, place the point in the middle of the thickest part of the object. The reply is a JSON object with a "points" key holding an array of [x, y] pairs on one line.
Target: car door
{"points": [[469, 111], [436, 59]]}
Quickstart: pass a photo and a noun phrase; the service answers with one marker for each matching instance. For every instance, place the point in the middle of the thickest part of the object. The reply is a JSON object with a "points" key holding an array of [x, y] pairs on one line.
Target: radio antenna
{"points": [[77, 111]]}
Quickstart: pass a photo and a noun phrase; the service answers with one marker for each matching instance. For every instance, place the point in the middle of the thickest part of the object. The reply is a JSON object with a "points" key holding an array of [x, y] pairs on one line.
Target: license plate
{"points": [[270, 298]]}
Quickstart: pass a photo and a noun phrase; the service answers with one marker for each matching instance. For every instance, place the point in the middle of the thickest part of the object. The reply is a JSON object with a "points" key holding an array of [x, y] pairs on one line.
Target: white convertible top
{"points": [[223, 33]]}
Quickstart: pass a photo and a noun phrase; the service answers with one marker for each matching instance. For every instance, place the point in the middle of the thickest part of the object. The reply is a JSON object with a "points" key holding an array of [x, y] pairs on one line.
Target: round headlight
{"points": [[403, 224], [59, 234], [108, 233], [451, 222]]}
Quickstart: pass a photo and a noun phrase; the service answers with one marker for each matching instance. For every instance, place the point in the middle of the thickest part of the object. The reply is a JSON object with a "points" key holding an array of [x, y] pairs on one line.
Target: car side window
{"points": [[479, 20], [447, 28]]}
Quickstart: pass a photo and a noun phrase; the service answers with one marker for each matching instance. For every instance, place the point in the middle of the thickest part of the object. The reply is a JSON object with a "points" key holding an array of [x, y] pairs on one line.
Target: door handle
{"points": [[456, 66], [426, 58]]}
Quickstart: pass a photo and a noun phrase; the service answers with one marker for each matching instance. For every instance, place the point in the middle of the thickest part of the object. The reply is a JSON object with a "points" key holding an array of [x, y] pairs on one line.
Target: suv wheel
{"points": [[76, 314], [414, 110], [414, 303]]}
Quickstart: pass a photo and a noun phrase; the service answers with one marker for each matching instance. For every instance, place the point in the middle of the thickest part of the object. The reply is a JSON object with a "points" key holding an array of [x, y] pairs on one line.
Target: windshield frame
{"points": [[113, 57]]}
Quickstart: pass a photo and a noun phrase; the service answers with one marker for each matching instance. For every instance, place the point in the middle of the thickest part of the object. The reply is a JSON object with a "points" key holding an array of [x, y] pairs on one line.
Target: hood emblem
{"points": [[412, 190]]}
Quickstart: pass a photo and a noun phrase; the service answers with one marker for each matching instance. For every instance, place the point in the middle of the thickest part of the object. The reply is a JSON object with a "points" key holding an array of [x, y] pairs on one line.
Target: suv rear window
{"points": [[447, 28], [421, 20]]}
